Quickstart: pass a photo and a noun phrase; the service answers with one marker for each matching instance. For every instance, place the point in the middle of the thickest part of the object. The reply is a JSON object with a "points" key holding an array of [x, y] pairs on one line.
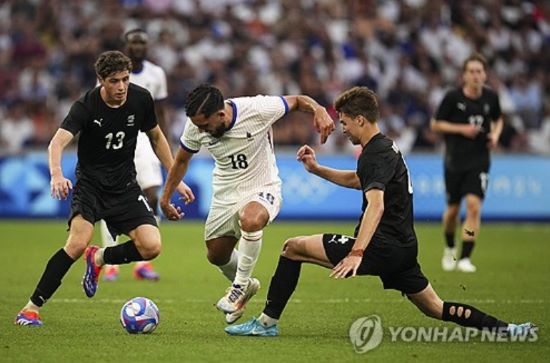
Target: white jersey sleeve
{"points": [[190, 139], [153, 78]]}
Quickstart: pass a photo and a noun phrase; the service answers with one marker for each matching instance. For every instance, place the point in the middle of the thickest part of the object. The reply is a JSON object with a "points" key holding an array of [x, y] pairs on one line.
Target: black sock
{"points": [[123, 253], [56, 268], [469, 316], [467, 247], [282, 286], [450, 239]]}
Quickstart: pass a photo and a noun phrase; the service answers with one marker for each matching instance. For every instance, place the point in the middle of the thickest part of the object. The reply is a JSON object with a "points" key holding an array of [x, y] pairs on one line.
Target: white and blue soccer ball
{"points": [[139, 315]]}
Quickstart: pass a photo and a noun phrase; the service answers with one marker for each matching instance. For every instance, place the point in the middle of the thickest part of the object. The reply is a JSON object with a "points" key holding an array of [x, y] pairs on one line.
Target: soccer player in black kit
{"points": [[470, 119], [108, 119], [384, 242]]}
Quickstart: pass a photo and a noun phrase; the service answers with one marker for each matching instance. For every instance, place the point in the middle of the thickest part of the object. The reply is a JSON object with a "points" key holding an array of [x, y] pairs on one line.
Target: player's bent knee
{"points": [[292, 248], [151, 250]]}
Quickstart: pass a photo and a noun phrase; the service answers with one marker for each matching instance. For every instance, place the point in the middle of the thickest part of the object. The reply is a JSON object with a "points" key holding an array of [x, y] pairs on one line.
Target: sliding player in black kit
{"points": [[384, 243], [108, 119], [470, 119]]}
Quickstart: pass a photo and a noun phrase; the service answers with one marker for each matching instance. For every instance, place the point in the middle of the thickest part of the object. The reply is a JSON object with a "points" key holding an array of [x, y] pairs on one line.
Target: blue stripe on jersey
{"points": [[188, 149], [286, 104], [234, 119]]}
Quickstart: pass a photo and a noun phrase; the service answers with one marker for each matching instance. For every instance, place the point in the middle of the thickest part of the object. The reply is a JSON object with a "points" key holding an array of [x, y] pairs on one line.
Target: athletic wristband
{"points": [[356, 252]]}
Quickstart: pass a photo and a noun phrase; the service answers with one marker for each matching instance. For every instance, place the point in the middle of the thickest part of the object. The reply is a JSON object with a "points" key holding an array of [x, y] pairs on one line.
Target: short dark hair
{"points": [[111, 62], [358, 101], [475, 57], [205, 99]]}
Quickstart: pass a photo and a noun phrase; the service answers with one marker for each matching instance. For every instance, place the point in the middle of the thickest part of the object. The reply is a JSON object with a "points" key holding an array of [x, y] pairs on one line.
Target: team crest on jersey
{"points": [[486, 108], [131, 120], [461, 106]]}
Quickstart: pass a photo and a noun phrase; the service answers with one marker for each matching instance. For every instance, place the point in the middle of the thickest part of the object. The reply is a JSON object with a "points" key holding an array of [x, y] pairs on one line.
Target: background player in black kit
{"points": [[108, 119], [470, 119], [384, 242]]}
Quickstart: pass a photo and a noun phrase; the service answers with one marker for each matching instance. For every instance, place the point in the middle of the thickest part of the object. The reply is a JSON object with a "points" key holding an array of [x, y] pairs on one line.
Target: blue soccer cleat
{"points": [[91, 276], [252, 328], [516, 330], [28, 318]]}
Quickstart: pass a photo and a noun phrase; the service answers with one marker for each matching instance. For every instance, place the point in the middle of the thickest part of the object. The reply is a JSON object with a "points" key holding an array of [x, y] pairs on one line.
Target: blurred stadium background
{"points": [[409, 51]]}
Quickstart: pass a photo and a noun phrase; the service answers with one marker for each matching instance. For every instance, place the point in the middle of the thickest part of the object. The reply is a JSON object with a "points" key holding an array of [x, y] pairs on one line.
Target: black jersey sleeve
{"points": [[375, 171], [150, 119], [445, 107], [76, 118]]}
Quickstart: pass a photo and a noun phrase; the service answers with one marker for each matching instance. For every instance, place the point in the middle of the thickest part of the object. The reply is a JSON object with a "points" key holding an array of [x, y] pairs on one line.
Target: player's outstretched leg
{"points": [[56, 268], [465, 315]]}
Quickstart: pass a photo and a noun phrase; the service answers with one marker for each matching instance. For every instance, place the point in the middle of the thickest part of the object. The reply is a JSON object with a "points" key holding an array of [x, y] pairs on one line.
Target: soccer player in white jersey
{"points": [[148, 169], [246, 185]]}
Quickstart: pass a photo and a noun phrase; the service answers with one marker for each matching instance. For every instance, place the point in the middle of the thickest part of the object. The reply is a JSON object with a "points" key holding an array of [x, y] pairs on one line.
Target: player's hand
{"points": [[347, 265], [323, 123], [60, 187], [306, 155], [171, 212], [185, 193], [471, 131]]}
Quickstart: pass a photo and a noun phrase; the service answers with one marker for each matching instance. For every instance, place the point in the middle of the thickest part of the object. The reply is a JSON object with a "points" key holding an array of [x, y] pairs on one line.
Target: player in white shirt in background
{"points": [[246, 184], [148, 168]]}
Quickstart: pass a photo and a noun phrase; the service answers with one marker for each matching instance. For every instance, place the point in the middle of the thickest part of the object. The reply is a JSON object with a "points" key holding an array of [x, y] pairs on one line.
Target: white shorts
{"points": [[148, 169], [223, 219]]}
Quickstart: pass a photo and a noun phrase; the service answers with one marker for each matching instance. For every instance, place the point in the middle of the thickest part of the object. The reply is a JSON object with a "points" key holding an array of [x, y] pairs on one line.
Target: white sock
{"points": [[229, 270], [250, 245], [267, 321], [99, 257], [31, 307], [106, 237]]}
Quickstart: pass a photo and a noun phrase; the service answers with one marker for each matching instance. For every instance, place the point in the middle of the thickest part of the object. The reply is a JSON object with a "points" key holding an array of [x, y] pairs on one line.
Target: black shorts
{"points": [[458, 184], [396, 266], [122, 212]]}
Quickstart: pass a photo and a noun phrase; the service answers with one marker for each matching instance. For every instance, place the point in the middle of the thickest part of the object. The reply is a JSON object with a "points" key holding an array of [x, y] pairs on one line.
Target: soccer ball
{"points": [[139, 315]]}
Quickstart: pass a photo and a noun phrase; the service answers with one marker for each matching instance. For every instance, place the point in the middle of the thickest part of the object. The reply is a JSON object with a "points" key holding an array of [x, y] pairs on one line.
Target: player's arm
{"points": [[162, 150], [59, 185], [345, 178], [175, 175], [322, 121], [369, 223], [496, 130], [446, 127]]}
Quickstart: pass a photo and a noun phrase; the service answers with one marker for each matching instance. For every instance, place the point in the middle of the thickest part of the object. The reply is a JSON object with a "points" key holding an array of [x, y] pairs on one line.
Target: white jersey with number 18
{"points": [[244, 155]]}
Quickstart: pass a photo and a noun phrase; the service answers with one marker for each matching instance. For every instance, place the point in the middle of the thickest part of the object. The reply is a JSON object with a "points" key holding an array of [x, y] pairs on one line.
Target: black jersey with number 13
{"points": [[108, 137]]}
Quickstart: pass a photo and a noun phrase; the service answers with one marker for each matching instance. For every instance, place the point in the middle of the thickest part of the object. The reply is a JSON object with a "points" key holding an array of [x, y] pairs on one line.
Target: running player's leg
{"points": [[221, 252], [296, 250], [473, 188], [253, 217], [450, 219], [80, 234], [431, 305]]}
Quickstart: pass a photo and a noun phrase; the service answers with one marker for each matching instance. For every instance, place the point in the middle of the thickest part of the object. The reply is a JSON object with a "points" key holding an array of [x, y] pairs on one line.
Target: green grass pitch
{"points": [[512, 283]]}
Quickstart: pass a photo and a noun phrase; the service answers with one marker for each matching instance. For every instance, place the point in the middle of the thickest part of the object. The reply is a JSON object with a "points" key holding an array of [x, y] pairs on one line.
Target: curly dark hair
{"points": [[205, 99], [111, 62], [358, 101]]}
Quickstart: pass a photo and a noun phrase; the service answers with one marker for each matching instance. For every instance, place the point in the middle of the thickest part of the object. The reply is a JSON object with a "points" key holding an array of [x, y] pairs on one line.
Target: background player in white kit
{"points": [[148, 168], [246, 184]]}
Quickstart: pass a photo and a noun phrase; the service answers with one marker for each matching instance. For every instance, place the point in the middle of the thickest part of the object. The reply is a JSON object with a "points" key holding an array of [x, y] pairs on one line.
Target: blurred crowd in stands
{"points": [[409, 51]]}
